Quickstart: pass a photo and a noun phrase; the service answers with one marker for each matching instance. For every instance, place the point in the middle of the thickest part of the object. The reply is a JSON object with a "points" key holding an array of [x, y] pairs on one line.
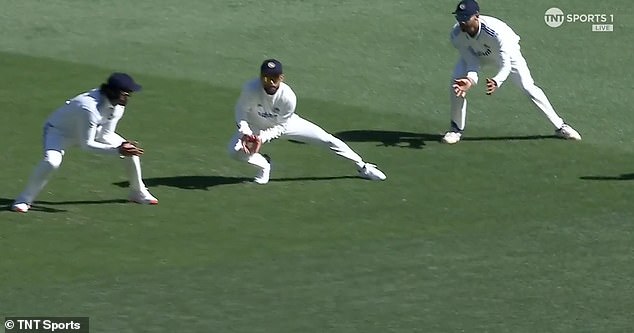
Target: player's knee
{"points": [[53, 158]]}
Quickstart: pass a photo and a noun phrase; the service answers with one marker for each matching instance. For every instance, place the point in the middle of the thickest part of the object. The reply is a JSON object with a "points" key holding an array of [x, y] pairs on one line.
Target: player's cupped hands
{"points": [[491, 86], [130, 148], [461, 86], [251, 144]]}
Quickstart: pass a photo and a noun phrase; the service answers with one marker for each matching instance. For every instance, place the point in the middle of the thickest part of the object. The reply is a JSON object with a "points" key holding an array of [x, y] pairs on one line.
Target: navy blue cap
{"points": [[123, 81], [271, 67], [466, 9]]}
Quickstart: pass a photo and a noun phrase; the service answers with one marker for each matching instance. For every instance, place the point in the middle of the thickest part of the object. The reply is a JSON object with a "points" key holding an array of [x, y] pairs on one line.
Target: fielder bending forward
{"points": [[266, 111], [89, 120], [483, 40]]}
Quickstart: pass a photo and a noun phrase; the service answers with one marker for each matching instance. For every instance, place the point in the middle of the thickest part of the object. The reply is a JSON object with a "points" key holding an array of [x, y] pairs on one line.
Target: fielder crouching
{"points": [[485, 40], [89, 121], [266, 111]]}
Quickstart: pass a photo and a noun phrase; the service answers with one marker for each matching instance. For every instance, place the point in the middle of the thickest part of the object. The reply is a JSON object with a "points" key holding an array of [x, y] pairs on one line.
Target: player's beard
{"points": [[465, 27], [271, 90], [122, 101]]}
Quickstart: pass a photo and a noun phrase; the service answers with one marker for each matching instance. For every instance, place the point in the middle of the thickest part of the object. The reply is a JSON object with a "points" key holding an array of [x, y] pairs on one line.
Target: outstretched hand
{"points": [[130, 148], [491, 86], [461, 86]]}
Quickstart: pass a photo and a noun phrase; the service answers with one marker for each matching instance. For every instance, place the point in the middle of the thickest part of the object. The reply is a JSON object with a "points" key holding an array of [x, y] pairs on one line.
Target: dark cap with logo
{"points": [[123, 82], [271, 67], [466, 9]]}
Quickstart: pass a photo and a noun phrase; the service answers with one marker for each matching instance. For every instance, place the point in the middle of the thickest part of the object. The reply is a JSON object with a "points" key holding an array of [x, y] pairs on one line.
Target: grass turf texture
{"points": [[508, 231]]}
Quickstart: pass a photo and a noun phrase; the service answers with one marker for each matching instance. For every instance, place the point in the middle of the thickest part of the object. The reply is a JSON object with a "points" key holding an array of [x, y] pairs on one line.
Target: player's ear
{"points": [[282, 77]]}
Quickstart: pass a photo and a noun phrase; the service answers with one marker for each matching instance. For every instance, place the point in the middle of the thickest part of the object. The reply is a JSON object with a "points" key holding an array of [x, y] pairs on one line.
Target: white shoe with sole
{"points": [[568, 133], [143, 197], [20, 207], [371, 172], [451, 137]]}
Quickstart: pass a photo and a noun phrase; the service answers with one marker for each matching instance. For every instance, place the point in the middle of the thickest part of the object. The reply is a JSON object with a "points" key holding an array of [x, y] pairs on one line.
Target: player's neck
{"points": [[477, 32]]}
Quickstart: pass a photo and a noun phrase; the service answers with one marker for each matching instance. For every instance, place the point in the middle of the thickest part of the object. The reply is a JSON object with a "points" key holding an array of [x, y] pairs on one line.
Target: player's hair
{"points": [[111, 93]]}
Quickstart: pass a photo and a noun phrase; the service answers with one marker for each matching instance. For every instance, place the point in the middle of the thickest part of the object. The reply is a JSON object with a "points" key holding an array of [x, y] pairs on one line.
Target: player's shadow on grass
{"points": [[82, 202], [205, 182], [41, 205], [5, 202], [189, 182], [389, 138], [625, 176], [293, 179], [509, 138], [418, 140]]}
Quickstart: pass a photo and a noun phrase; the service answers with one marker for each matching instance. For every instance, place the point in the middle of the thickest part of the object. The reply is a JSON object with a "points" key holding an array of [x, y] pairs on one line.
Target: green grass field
{"points": [[511, 230]]}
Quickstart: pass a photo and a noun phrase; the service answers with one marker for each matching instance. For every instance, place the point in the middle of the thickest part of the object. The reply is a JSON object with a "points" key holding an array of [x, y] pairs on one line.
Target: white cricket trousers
{"points": [[55, 144], [298, 129], [520, 75]]}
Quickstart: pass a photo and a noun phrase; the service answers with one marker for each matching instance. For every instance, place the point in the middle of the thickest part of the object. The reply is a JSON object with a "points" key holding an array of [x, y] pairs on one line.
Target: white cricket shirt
{"points": [[90, 120], [495, 43], [262, 114]]}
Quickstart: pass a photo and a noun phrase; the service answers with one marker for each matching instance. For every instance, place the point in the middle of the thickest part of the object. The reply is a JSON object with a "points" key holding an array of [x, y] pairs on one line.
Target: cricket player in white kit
{"points": [[266, 111], [485, 40], [89, 120]]}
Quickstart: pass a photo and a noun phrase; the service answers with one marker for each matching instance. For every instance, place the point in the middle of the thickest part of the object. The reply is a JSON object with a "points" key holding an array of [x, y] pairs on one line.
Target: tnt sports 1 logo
{"points": [[555, 17]]}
